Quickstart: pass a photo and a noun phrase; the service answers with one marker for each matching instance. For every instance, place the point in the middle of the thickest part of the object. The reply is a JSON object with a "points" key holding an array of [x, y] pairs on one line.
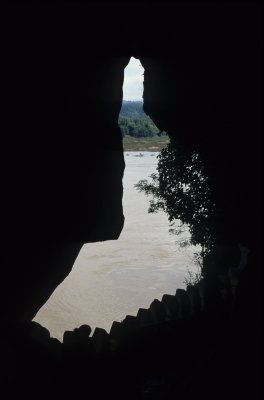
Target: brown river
{"points": [[112, 279]]}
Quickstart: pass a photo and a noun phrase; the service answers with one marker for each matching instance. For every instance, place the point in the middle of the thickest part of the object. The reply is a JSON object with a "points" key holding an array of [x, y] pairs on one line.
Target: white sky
{"points": [[133, 81]]}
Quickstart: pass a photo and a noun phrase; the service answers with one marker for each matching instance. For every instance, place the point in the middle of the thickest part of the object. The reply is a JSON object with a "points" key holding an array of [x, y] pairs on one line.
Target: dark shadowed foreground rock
{"points": [[196, 353], [61, 76]]}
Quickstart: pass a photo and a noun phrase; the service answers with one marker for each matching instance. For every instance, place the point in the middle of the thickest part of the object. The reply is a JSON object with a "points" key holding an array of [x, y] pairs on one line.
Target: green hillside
{"points": [[134, 122], [132, 109]]}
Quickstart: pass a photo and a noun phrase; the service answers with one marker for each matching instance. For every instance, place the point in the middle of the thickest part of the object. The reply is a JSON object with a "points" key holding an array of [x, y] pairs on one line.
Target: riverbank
{"points": [[155, 143]]}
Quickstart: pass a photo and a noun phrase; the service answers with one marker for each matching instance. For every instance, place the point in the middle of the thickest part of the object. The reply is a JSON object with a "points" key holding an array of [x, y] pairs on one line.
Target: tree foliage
{"points": [[137, 127], [180, 188]]}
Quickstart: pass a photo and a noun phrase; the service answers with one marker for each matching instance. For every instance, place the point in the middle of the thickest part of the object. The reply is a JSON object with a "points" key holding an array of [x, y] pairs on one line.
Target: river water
{"points": [[112, 279]]}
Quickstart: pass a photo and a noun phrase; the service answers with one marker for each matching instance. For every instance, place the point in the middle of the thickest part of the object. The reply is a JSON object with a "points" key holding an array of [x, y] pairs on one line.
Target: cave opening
{"points": [[61, 91], [146, 261]]}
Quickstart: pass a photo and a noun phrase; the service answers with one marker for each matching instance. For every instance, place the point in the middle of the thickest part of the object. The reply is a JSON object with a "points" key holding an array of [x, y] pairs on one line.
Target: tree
{"points": [[180, 188]]}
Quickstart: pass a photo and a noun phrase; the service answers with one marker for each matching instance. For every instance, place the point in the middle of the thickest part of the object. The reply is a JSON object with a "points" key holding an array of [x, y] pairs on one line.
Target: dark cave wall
{"points": [[202, 87], [61, 92], [61, 74], [54, 95], [62, 157]]}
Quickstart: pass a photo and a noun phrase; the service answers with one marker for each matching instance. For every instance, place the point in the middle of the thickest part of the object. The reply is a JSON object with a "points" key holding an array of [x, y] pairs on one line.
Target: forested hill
{"points": [[134, 122], [132, 109]]}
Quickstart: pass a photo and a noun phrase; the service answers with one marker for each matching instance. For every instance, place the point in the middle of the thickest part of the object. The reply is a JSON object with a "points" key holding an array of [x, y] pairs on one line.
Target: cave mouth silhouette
{"points": [[60, 67], [84, 316], [64, 303]]}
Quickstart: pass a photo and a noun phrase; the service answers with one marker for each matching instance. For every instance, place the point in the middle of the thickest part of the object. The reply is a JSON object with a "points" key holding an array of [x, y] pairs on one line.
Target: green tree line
{"points": [[134, 122], [137, 127]]}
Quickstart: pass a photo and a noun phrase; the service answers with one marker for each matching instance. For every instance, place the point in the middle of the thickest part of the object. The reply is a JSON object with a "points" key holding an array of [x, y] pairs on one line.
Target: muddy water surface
{"points": [[112, 279]]}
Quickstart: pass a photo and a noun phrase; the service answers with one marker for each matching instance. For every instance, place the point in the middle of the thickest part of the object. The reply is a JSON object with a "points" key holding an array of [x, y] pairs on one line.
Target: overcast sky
{"points": [[133, 82]]}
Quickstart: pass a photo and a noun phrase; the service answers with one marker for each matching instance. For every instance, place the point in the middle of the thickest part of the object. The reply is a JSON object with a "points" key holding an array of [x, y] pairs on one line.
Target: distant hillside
{"points": [[134, 122], [132, 109]]}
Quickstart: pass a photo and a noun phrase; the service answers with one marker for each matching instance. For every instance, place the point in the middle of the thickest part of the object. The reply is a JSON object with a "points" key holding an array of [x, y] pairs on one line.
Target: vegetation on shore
{"points": [[138, 130], [137, 127], [154, 143]]}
